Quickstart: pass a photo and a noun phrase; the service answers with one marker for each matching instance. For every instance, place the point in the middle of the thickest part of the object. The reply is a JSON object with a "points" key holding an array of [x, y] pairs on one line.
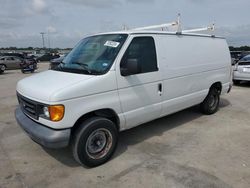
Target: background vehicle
{"points": [[47, 57], [55, 62], [10, 63], [28, 65], [22, 56], [236, 56], [242, 70]]}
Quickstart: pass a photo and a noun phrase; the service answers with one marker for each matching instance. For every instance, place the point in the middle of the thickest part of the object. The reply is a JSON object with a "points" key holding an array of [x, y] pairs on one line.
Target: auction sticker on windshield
{"points": [[112, 44]]}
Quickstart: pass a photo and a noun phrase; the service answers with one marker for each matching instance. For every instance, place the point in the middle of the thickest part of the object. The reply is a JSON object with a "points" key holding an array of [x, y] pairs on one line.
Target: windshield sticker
{"points": [[105, 64], [112, 44]]}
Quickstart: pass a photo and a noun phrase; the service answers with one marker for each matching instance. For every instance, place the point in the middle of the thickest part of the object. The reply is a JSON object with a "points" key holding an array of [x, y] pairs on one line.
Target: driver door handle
{"points": [[160, 89]]}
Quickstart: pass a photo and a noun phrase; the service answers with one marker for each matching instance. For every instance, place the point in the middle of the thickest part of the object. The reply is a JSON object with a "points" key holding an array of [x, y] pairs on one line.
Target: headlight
{"points": [[46, 111], [53, 112]]}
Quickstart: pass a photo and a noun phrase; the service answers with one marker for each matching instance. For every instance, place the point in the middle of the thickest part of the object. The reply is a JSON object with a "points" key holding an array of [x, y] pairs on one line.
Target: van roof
{"points": [[135, 32]]}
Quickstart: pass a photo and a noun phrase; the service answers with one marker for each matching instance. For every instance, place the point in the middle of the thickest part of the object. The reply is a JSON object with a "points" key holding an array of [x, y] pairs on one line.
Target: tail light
{"points": [[235, 67]]}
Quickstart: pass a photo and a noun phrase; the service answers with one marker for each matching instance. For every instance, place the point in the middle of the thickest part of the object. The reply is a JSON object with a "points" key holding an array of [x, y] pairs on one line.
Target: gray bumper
{"points": [[44, 136]]}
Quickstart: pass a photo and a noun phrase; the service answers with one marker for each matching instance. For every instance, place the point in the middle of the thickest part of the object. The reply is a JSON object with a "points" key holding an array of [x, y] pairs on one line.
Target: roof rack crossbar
{"points": [[157, 26], [209, 28]]}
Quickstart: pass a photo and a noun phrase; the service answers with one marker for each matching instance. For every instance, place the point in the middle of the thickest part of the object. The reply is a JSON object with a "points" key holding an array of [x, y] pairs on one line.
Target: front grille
{"points": [[28, 106]]}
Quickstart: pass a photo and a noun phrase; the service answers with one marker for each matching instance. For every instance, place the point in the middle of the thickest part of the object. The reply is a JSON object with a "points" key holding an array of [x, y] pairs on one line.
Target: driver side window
{"points": [[142, 50]]}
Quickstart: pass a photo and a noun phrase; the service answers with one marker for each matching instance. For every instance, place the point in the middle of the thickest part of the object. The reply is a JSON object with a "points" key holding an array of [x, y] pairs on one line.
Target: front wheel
{"points": [[211, 103], [95, 141]]}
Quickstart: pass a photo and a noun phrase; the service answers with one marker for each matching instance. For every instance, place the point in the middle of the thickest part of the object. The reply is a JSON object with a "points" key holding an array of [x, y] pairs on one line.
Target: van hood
{"points": [[42, 86]]}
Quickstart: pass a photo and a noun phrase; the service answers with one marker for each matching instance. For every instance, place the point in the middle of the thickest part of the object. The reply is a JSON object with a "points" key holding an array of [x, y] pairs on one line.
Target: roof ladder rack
{"points": [[177, 23]]}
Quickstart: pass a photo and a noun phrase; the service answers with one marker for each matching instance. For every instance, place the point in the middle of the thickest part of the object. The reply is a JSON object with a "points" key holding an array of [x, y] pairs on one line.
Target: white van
{"points": [[115, 81]]}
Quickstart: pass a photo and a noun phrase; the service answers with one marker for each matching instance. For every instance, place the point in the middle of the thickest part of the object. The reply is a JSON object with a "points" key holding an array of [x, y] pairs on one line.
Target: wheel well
{"points": [[218, 86], [107, 113]]}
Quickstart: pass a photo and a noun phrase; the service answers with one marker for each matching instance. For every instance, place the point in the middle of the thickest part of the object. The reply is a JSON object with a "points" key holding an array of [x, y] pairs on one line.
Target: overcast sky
{"points": [[67, 21]]}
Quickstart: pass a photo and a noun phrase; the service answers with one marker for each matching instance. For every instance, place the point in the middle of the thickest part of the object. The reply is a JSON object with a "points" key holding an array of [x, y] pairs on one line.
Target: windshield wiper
{"points": [[83, 66], [59, 67]]}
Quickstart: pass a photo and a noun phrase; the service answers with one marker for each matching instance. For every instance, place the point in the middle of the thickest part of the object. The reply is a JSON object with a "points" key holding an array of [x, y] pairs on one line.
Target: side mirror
{"points": [[130, 67]]}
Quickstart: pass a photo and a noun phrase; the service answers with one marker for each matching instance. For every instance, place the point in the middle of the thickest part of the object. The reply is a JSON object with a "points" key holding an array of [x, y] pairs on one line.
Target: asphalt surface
{"points": [[186, 149]]}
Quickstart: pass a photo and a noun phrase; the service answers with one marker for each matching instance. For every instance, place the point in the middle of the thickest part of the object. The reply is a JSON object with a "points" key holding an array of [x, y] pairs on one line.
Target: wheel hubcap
{"points": [[213, 101], [99, 143]]}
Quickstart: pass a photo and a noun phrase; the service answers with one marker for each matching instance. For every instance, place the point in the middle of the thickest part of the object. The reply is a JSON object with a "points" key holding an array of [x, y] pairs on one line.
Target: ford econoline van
{"points": [[115, 81]]}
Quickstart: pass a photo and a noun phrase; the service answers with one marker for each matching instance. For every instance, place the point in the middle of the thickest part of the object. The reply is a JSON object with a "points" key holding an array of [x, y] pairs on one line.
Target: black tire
{"points": [[211, 103], [2, 68], [236, 82], [88, 139]]}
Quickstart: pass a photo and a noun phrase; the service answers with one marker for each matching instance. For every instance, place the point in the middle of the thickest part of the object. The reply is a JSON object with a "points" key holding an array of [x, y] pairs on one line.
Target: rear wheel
{"points": [[94, 142], [2, 68], [211, 103]]}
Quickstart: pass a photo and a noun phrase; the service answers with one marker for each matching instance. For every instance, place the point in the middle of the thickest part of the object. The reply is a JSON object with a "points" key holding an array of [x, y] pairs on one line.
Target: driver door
{"points": [[140, 92]]}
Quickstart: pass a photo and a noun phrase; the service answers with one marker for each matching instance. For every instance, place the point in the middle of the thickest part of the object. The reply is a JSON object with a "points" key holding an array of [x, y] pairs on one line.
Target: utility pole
{"points": [[42, 33], [49, 39]]}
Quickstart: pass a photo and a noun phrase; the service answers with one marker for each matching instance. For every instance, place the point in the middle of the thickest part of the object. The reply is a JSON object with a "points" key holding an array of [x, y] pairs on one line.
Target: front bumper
{"points": [[44, 136]]}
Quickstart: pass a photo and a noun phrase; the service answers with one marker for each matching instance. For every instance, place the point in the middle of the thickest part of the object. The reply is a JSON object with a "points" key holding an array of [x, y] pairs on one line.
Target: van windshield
{"points": [[93, 55]]}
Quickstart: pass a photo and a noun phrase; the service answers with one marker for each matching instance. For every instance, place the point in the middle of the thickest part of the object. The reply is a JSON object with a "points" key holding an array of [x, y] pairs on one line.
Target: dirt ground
{"points": [[186, 149]]}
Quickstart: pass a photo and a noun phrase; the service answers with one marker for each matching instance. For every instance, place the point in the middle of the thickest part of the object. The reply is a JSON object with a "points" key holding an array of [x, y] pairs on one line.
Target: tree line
{"points": [[242, 48], [32, 48], [232, 48]]}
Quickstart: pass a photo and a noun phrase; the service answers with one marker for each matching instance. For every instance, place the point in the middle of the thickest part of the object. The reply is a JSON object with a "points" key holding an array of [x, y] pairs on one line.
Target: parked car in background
{"points": [[10, 63], [236, 56], [242, 70], [14, 62], [55, 62], [20, 55], [47, 57], [28, 65]]}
